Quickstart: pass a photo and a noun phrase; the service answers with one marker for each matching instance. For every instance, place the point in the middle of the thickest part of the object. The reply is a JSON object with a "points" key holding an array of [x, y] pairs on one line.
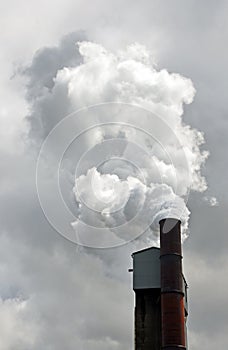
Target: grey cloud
{"points": [[47, 61], [41, 74]]}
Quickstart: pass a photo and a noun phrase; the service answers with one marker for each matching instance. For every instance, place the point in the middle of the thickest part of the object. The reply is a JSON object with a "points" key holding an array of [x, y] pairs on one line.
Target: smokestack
{"points": [[172, 292]]}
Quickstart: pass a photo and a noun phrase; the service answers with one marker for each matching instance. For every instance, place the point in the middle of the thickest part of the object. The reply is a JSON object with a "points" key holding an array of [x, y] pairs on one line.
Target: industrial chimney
{"points": [[172, 289], [161, 306]]}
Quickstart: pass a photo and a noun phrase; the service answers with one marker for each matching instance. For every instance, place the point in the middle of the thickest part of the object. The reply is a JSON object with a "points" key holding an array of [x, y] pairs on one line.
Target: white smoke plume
{"points": [[106, 198], [139, 160]]}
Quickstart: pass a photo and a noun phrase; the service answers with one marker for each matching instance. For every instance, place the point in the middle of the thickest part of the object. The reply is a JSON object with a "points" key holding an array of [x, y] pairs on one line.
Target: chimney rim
{"points": [[169, 218]]}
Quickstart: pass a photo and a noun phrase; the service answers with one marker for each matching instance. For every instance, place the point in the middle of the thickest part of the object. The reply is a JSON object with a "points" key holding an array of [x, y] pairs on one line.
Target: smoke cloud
{"points": [[164, 153]]}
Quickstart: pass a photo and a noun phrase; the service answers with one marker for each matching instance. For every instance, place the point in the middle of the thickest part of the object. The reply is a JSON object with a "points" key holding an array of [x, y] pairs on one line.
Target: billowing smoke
{"points": [[131, 77], [116, 202], [135, 158]]}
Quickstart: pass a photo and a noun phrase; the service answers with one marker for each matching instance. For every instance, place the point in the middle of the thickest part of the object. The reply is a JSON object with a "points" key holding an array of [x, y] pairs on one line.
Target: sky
{"points": [[159, 66]]}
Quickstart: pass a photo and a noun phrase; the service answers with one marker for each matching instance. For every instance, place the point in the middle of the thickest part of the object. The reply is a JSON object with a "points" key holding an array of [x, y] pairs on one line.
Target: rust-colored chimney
{"points": [[172, 294]]}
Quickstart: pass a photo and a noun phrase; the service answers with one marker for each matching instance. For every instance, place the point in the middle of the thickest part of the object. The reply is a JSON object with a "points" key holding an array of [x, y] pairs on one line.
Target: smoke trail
{"points": [[135, 158]]}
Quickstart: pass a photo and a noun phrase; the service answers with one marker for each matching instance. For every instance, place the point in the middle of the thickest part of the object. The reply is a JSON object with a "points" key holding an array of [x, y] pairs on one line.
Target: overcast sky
{"points": [[54, 293]]}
